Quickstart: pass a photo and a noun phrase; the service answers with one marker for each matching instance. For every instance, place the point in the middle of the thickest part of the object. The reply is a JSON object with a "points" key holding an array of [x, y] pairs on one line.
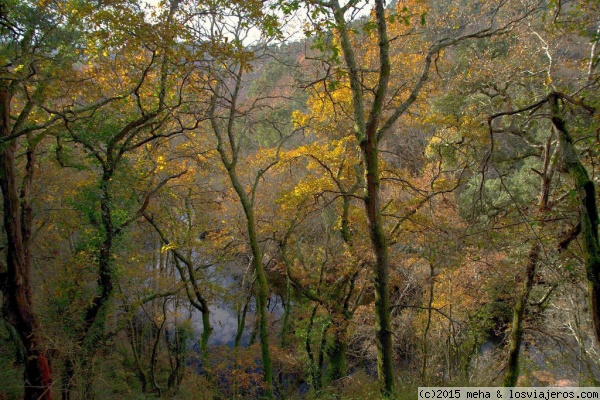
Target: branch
{"points": [[544, 297], [438, 310], [569, 237], [132, 307], [146, 201], [435, 48]]}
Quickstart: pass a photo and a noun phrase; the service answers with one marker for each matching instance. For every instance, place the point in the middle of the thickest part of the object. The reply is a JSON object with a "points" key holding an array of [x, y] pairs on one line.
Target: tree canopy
{"points": [[297, 199]]}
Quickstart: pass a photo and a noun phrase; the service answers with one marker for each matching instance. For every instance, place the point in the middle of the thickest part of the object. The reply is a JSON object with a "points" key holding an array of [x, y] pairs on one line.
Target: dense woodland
{"points": [[297, 199]]}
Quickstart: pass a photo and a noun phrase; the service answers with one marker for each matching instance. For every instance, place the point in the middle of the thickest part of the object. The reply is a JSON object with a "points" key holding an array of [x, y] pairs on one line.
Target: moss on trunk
{"points": [[588, 208]]}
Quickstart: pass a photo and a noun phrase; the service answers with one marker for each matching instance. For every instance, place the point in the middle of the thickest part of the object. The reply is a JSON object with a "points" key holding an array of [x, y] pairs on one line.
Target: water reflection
{"points": [[234, 283]]}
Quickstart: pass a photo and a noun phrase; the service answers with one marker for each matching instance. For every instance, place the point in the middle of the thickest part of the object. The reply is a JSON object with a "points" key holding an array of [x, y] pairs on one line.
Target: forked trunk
{"points": [[587, 207], [15, 282]]}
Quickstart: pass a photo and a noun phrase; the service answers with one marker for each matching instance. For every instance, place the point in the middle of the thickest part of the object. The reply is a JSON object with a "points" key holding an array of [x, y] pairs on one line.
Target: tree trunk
{"points": [[94, 321], [15, 282], [134, 340], [67, 379], [262, 290], [262, 294], [315, 373], [155, 348], [229, 159], [383, 326], [193, 291], [428, 324], [368, 135], [516, 332], [206, 332], [337, 355], [179, 351], [241, 317], [287, 311], [587, 207]]}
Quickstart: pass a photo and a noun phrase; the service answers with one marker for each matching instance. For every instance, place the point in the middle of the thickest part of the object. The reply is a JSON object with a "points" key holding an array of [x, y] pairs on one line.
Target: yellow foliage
{"points": [[166, 248]]}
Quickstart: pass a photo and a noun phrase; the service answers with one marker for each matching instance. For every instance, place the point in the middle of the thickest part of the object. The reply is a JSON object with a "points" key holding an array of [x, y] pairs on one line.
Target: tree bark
{"points": [[262, 293], [94, 321], [511, 376], [241, 316], [337, 354], [588, 208], [516, 333], [15, 282], [134, 340], [367, 134], [229, 159], [428, 323], [193, 291], [315, 373], [383, 325], [155, 348]]}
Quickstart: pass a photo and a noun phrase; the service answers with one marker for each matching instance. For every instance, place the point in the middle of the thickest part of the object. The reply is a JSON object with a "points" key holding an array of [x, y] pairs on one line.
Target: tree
{"points": [[229, 115], [377, 106], [321, 255], [188, 270], [34, 56], [15, 277], [559, 76], [584, 187], [142, 108], [229, 156]]}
